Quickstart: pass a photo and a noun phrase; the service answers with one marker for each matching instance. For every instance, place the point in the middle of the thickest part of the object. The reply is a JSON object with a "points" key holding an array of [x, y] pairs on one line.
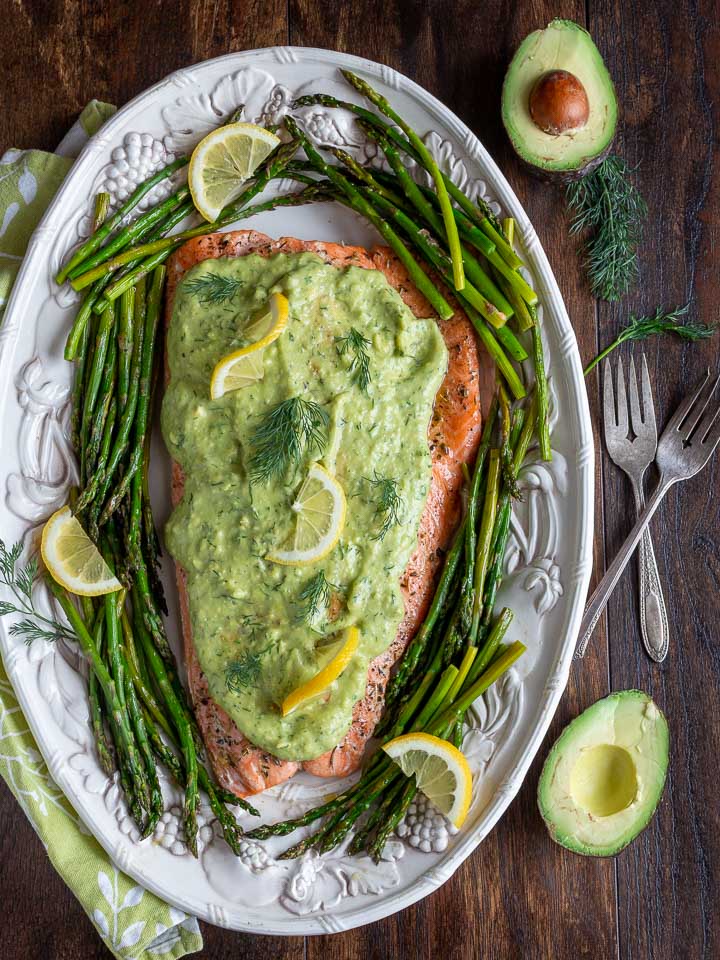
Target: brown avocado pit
{"points": [[559, 103]]}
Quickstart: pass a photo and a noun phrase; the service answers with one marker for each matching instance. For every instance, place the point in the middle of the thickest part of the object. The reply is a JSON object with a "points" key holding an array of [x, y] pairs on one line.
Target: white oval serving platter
{"points": [[547, 567]]}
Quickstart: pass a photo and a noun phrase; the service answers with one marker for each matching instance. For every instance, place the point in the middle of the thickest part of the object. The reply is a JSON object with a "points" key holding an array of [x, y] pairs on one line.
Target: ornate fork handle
{"points": [[606, 586], [654, 627]]}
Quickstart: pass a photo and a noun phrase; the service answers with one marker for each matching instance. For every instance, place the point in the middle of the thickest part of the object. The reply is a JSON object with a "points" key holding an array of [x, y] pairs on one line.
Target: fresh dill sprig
{"points": [[19, 580], [244, 671], [360, 363], [291, 428], [610, 208], [315, 597], [388, 503], [640, 328], [214, 287]]}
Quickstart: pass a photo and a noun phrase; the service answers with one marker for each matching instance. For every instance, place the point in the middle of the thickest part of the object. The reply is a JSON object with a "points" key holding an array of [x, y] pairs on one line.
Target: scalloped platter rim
{"points": [[547, 567]]}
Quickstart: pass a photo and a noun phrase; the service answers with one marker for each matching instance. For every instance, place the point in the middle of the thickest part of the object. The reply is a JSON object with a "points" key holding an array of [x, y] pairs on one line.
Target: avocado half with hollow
{"points": [[605, 774], [558, 102]]}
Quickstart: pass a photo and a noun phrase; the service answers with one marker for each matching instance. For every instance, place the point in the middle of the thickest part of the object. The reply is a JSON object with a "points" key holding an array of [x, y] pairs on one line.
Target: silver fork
{"points": [[686, 445], [634, 457]]}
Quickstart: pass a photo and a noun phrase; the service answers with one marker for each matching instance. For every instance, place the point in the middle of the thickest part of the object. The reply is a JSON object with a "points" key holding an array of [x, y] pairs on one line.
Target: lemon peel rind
{"points": [[443, 749], [296, 558], [47, 551], [223, 368], [212, 139], [323, 678]]}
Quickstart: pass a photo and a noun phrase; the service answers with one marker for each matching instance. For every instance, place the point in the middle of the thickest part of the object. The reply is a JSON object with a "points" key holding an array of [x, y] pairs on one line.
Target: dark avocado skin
{"points": [[552, 831], [564, 176]]}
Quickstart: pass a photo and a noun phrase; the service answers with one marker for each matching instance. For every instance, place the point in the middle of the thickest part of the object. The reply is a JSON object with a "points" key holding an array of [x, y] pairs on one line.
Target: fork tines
{"points": [[621, 445], [695, 417]]}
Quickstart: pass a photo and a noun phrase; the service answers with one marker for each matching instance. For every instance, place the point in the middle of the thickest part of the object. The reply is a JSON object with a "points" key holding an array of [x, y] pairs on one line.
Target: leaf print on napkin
{"points": [[106, 888], [101, 922], [132, 935], [27, 185], [132, 897]]}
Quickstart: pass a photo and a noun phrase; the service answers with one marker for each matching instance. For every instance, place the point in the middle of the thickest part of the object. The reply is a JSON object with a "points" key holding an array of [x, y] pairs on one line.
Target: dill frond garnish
{"points": [[388, 503], [315, 597], [292, 427], [610, 208], [19, 580], [640, 328], [214, 288], [356, 343], [244, 671]]}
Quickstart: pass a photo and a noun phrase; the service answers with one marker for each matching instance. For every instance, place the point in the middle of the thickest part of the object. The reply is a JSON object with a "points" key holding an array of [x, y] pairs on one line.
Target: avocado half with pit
{"points": [[605, 774], [558, 102]]}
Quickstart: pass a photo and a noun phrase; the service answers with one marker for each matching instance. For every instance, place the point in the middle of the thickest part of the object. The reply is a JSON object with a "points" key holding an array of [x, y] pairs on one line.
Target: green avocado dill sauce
{"points": [[257, 632]]}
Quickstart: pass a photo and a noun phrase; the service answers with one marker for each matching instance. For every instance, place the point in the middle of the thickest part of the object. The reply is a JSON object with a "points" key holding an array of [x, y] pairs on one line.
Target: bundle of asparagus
{"points": [[139, 711], [139, 708]]}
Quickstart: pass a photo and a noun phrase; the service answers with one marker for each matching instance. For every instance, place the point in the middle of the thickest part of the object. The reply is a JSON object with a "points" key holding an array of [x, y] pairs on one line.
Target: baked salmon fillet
{"points": [[453, 437]]}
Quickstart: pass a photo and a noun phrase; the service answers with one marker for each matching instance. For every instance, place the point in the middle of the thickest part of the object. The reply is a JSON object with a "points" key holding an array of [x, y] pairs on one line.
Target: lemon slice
{"points": [[245, 366], [320, 507], [441, 771], [73, 559], [222, 161], [322, 680]]}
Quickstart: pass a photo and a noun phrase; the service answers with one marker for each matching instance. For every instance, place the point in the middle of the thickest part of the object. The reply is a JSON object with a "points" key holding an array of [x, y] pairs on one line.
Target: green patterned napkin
{"points": [[133, 922]]}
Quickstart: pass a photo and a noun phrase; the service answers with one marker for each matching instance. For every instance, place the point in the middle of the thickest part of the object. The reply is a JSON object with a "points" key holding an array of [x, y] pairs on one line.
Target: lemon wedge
{"points": [[245, 366], [73, 559], [329, 673], [320, 507], [440, 769], [222, 161]]}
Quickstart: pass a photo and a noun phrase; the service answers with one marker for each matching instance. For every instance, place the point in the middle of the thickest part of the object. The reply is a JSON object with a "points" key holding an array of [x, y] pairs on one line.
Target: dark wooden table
{"points": [[519, 895]]}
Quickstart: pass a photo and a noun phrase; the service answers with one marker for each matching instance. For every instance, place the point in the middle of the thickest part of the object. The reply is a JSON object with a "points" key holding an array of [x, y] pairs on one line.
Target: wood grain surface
{"points": [[519, 895]]}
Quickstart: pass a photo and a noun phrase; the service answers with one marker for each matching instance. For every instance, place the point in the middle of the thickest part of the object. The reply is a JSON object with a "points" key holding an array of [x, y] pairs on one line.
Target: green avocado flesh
{"points": [[605, 774], [247, 614], [562, 45]]}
